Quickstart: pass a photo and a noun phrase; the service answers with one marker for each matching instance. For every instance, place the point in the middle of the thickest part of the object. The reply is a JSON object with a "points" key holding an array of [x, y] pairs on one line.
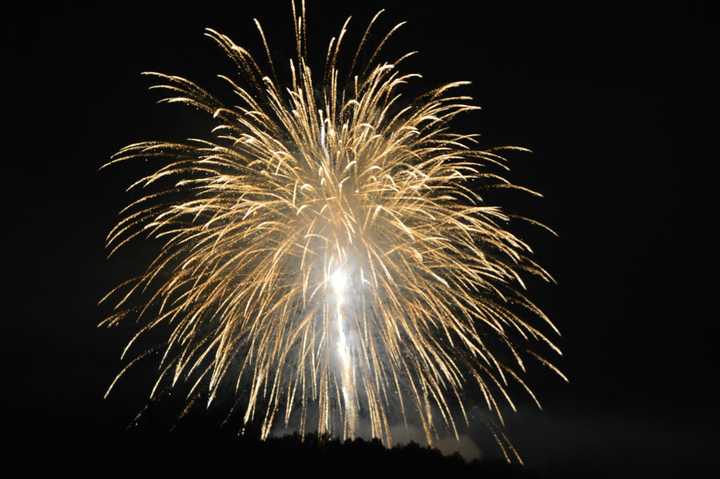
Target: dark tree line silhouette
{"points": [[201, 441]]}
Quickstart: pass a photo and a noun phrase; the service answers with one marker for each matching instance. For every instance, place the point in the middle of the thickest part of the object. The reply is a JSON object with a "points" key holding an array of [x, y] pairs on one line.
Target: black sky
{"points": [[613, 99]]}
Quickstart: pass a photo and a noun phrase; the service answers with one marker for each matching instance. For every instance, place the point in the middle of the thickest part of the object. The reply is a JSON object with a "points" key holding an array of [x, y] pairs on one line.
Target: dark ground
{"points": [[617, 102]]}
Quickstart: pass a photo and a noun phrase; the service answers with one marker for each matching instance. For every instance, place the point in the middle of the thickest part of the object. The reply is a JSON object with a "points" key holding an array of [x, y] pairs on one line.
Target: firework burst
{"points": [[327, 249]]}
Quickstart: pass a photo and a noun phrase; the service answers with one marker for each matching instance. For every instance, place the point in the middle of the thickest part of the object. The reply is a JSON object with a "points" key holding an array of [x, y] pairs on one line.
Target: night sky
{"points": [[613, 100]]}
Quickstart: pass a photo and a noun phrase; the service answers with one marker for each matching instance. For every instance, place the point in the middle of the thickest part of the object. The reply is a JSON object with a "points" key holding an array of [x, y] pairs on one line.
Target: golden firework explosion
{"points": [[328, 249]]}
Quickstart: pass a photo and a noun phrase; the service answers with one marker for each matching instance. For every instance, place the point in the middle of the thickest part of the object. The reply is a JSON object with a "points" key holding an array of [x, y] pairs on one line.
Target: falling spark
{"points": [[329, 247]]}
